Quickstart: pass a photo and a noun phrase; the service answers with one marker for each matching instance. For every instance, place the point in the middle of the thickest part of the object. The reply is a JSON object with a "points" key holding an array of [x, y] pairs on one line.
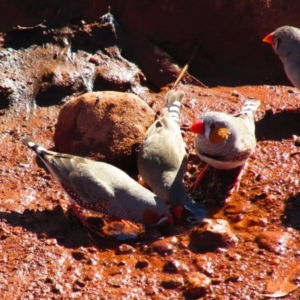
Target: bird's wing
{"points": [[90, 184]]}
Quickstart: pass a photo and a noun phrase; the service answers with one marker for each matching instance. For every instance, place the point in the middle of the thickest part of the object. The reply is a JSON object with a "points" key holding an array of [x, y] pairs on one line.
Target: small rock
{"points": [[233, 278], [122, 263], [91, 261], [257, 221], [173, 282], [204, 266], [49, 280], [197, 285], [235, 93], [17, 230], [171, 266], [79, 283], [51, 242], [43, 236], [78, 255], [142, 264], [273, 241], [161, 247], [125, 249], [57, 288], [174, 266], [260, 177], [212, 234], [297, 141]]}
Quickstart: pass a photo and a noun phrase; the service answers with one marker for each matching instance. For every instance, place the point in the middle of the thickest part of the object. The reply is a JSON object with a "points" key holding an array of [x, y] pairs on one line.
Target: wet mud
{"points": [[46, 250], [248, 246]]}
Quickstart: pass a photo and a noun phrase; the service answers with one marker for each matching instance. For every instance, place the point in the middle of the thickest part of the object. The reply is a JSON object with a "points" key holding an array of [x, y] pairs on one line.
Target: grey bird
{"points": [[225, 141], [102, 188], [162, 158], [285, 41]]}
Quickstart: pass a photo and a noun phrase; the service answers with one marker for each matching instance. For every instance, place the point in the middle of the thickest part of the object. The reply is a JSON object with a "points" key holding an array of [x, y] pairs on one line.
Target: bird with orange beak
{"points": [[285, 42], [225, 141]]}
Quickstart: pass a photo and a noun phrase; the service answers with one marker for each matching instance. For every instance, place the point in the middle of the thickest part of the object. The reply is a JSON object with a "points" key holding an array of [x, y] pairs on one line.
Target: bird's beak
{"points": [[197, 127], [269, 39]]}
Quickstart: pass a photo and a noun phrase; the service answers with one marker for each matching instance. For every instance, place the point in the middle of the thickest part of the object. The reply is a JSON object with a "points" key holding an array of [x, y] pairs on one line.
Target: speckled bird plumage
{"points": [[162, 157], [101, 187], [236, 140], [285, 41]]}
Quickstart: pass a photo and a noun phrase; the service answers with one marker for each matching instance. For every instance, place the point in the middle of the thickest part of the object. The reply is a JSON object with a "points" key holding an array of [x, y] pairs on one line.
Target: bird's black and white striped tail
{"points": [[250, 106], [33, 145], [173, 103]]}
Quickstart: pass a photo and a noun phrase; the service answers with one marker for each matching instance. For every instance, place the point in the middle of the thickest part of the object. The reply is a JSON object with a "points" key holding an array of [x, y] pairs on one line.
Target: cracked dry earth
{"points": [[47, 254]]}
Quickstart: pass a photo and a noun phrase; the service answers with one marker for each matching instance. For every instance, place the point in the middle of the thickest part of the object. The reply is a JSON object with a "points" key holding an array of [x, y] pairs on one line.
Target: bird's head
{"points": [[284, 41], [215, 132]]}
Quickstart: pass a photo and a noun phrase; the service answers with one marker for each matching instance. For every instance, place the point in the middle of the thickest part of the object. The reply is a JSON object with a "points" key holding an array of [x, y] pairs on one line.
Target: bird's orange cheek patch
{"points": [[219, 135]]}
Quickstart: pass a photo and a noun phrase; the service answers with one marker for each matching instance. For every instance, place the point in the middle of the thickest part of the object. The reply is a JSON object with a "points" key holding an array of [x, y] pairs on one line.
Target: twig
{"points": [[183, 71], [40, 25]]}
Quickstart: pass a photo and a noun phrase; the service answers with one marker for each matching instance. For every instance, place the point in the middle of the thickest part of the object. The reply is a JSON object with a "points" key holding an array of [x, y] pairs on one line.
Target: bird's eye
{"points": [[278, 43]]}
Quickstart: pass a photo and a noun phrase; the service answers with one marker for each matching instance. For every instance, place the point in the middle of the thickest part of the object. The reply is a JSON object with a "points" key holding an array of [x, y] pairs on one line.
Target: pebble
{"points": [[235, 93], [57, 288], [49, 280], [297, 141], [161, 247], [142, 264], [204, 266], [257, 221], [173, 282], [175, 266], [125, 249], [51, 242], [197, 285], [274, 241], [78, 255], [212, 234], [171, 266]]}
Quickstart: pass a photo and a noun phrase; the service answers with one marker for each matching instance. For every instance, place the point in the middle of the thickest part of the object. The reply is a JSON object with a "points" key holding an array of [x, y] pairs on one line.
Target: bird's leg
{"points": [[199, 179], [236, 185], [82, 219]]}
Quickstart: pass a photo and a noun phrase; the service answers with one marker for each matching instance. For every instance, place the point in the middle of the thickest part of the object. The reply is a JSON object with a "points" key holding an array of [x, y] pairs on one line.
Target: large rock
{"points": [[107, 126]]}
